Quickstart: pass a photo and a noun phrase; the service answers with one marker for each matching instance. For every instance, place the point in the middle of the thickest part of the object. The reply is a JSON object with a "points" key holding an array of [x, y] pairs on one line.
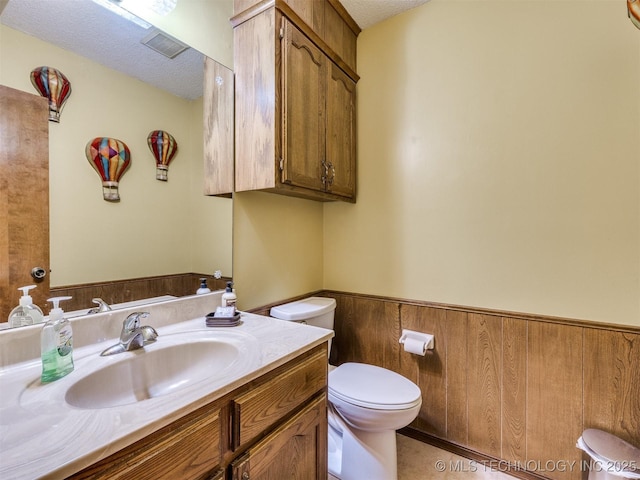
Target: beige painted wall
{"points": [[277, 247], [157, 228], [498, 157]]}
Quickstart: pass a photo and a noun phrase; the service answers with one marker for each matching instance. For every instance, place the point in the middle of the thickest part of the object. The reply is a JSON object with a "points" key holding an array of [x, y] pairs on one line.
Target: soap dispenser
{"points": [[229, 297], [26, 313], [56, 344], [203, 287]]}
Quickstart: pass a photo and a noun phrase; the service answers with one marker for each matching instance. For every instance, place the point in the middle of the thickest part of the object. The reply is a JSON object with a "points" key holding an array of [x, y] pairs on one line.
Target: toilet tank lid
{"points": [[304, 309], [612, 448]]}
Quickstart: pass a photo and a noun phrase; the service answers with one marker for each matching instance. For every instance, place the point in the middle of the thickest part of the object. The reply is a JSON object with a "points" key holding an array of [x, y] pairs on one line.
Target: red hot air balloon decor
{"points": [[633, 10], [164, 147], [109, 157], [53, 85]]}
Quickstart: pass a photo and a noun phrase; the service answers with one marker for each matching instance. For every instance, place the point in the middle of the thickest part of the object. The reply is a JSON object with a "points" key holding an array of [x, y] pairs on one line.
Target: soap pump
{"points": [[56, 344], [26, 313], [203, 287], [229, 297]]}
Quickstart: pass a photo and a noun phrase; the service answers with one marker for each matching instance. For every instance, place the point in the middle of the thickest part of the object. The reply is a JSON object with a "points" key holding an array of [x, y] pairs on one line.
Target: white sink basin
{"points": [[171, 364]]}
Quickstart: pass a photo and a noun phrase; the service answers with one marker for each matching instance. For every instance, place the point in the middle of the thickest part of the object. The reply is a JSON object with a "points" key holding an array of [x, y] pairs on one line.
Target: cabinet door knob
{"points": [[245, 476]]}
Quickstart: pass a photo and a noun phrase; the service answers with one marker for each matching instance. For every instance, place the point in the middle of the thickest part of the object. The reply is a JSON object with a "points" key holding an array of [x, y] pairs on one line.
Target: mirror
{"points": [[158, 228]]}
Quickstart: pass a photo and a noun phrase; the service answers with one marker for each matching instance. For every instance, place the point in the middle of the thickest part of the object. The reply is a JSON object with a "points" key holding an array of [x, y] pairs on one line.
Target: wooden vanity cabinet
{"points": [[273, 427], [189, 448], [295, 100], [296, 449]]}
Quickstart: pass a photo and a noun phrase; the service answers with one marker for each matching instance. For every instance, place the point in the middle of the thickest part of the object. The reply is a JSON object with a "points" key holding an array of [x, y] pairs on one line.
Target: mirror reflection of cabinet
{"points": [[218, 128], [24, 195]]}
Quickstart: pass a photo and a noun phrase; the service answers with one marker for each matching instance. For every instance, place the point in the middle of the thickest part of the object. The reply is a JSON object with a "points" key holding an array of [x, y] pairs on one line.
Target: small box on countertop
{"points": [[223, 317]]}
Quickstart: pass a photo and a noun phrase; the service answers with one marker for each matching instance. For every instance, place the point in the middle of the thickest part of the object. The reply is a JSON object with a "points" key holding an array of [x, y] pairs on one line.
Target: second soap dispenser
{"points": [[229, 298], [56, 344], [27, 313]]}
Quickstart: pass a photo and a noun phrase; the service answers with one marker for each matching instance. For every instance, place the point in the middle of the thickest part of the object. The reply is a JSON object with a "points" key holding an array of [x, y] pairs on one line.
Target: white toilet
{"points": [[367, 404], [612, 457]]}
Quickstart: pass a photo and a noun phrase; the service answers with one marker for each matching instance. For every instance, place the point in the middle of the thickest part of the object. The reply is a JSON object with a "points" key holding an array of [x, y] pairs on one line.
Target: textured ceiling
{"points": [[85, 28], [369, 12]]}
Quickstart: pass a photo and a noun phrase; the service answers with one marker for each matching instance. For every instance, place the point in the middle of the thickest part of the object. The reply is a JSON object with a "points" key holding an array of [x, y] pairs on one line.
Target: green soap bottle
{"points": [[56, 344]]}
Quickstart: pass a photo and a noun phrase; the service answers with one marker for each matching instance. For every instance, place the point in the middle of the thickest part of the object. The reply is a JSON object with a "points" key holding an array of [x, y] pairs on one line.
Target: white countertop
{"points": [[41, 436]]}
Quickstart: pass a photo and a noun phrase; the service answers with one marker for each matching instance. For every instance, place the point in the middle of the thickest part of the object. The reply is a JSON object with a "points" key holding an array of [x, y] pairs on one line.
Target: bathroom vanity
{"points": [[218, 403]]}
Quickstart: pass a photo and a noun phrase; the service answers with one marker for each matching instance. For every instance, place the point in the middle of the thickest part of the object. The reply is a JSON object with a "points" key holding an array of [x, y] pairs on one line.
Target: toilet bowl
{"points": [[367, 404], [612, 458]]}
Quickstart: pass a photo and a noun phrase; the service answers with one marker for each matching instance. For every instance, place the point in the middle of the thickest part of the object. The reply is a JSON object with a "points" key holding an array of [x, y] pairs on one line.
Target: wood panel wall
{"points": [[513, 387], [120, 291], [516, 388]]}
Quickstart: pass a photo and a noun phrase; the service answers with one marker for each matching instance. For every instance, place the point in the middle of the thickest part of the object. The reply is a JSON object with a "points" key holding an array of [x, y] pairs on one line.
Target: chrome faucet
{"points": [[133, 336], [102, 306]]}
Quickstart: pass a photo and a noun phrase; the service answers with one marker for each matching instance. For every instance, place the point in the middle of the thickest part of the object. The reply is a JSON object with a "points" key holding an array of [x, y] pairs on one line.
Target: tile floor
{"points": [[420, 461]]}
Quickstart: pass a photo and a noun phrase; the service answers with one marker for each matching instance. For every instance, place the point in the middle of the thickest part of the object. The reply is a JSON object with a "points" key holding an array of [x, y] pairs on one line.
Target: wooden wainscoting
{"points": [[120, 291], [502, 386], [519, 388]]}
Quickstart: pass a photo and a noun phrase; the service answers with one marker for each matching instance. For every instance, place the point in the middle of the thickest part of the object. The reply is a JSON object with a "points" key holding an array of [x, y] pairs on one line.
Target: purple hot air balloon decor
{"points": [[164, 147], [53, 85], [109, 157]]}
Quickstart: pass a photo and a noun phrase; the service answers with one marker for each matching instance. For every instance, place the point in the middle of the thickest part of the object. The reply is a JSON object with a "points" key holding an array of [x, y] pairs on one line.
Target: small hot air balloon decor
{"points": [[633, 10], [109, 157], [164, 147], [53, 85]]}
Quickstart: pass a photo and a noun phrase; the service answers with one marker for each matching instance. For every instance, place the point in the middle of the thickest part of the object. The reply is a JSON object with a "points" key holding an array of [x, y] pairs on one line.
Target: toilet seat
{"points": [[610, 450], [373, 387]]}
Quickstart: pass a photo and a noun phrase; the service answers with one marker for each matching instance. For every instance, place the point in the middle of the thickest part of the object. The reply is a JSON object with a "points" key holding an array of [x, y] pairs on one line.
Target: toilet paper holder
{"points": [[426, 338]]}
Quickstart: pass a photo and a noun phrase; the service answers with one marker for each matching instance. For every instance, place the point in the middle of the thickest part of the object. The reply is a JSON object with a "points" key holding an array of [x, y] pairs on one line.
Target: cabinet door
{"points": [[341, 133], [297, 449], [303, 91]]}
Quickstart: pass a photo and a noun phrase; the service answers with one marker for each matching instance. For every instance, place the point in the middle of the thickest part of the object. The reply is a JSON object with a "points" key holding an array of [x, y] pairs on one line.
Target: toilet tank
{"points": [[316, 311]]}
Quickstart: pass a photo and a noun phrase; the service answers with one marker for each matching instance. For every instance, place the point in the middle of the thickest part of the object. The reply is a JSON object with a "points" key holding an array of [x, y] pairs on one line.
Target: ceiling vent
{"points": [[164, 44]]}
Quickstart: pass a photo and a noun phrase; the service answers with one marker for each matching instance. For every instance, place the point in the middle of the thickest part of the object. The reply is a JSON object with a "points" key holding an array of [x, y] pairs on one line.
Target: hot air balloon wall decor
{"points": [[633, 10], [54, 86], [109, 157], [164, 148]]}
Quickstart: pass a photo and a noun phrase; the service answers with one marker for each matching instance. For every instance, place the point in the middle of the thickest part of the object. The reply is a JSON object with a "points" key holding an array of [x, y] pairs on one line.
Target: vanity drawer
{"points": [[189, 448], [270, 401]]}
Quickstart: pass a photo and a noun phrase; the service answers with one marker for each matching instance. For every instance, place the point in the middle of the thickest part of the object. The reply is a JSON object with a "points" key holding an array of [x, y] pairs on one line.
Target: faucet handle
{"points": [[102, 305], [132, 322], [149, 334]]}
